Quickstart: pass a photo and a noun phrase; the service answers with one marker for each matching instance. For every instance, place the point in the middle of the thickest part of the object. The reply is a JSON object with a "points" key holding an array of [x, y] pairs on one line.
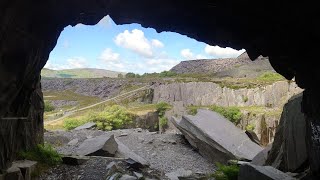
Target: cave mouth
{"points": [[284, 32]]}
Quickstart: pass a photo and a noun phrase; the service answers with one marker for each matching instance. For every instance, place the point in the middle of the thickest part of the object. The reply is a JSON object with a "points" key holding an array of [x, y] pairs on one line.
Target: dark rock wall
{"points": [[285, 31]]}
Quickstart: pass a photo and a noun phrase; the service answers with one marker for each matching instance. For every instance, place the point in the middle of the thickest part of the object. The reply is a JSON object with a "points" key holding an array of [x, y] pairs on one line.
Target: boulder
{"points": [[13, 173], [74, 160], [73, 142], [178, 173], [216, 137], [88, 125], [253, 172], [261, 157], [289, 151], [108, 145], [26, 167], [103, 145], [127, 177]]}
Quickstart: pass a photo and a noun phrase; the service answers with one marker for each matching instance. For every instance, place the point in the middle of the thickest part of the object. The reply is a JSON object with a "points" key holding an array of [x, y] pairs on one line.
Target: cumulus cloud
{"points": [[219, 52], [156, 43], [187, 54], [108, 55], [135, 41], [77, 62]]}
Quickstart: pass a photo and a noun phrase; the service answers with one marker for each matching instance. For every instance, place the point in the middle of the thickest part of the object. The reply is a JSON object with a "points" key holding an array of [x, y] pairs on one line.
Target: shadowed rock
{"points": [[289, 150], [216, 137], [252, 172]]}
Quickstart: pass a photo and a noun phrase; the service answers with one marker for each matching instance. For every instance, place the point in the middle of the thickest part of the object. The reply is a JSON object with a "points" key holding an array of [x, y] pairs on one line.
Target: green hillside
{"points": [[79, 73]]}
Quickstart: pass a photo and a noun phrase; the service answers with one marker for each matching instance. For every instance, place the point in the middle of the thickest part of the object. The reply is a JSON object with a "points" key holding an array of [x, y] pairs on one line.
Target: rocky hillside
{"points": [[220, 65], [79, 73], [102, 88]]}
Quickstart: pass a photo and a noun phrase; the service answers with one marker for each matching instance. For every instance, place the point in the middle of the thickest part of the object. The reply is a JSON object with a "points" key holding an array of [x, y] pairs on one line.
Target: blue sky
{"points": [[127, 48]]}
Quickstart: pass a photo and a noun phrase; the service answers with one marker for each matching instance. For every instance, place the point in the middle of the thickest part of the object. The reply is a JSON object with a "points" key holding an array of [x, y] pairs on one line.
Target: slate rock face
{"points": [[216, 137], [289, 150], [252, 172], [208, 93]]}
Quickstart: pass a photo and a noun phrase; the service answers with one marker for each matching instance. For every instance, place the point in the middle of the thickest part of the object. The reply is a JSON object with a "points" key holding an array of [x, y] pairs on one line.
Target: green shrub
{"points": [[250, 127], [162, 107], [71, 123], [163, 122], [167, 74], [245, 98], [232, 113], [270, 77], [44, 154], [48, 106], [113, 117], [226, 172], [192, 110]]}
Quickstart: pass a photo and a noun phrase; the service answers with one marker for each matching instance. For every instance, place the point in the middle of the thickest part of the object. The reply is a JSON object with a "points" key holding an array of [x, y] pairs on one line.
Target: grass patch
{"points": [[71, 123], [192, 110], [270, 77], [225, 172], [45, 155], [232, 113], [48, 107], [112, 117]]}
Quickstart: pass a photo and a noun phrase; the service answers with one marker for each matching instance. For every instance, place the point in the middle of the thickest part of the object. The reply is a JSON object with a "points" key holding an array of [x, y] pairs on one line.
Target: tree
{"points": [[130, 75], [120, 75]]}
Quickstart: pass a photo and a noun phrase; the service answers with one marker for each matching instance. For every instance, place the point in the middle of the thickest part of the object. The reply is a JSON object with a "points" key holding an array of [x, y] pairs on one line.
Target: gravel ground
{"points": [[164, 152]]}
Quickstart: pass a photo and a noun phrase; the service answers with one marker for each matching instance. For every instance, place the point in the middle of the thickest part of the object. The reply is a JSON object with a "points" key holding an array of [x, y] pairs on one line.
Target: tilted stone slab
{"points": [[216, 137], [88, 125], [103, 145], [253, 172]]}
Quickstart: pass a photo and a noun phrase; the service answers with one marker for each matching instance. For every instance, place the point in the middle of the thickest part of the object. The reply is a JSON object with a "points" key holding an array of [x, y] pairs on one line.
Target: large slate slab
{"points": [[88, 125], [253, 172], [98, 146], [216, 137], [289, 150]]}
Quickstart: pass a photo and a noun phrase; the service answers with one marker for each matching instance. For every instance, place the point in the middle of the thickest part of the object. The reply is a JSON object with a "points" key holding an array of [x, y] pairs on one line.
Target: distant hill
{"points": [[241, 66], [79, 73]]}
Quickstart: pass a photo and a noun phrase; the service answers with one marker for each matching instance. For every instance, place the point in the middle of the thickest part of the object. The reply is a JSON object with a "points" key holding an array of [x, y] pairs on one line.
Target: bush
{"points": [[44, 154], [48, 106], [232, 113], [270, 77], [226, 172], [162, 107], [113, 117], [71, 123], [250, 127], [167, 74], [163, 122], [192, 110]]}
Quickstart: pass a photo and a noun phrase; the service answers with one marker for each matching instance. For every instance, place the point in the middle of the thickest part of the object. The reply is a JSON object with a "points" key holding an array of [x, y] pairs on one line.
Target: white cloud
{"points": [[135, 41], [187, 54], [156, 43], [77, 62], [200, 56], [108, 55], [219, 52], [105, 22]]}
